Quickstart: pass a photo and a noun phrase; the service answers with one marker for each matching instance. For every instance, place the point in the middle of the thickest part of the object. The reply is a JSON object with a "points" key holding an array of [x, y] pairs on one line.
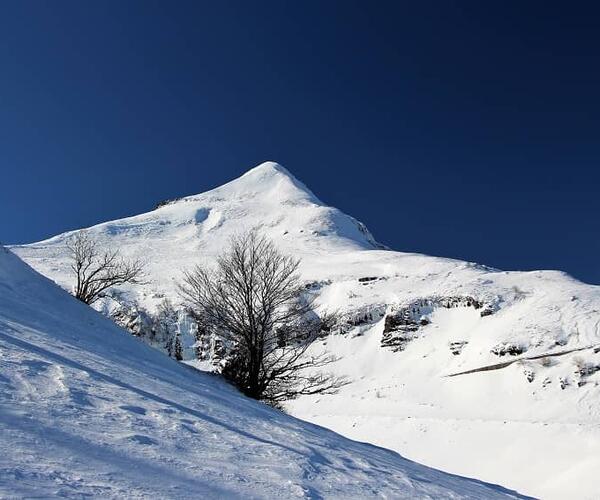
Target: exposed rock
{"points": [[135, 320], [399, 329], [587, 369], [343, 323], [367, 279], [402, 323], [529, 375], [488, 311], [316, 285], [508, 348], [457, 347], [166, 202]]}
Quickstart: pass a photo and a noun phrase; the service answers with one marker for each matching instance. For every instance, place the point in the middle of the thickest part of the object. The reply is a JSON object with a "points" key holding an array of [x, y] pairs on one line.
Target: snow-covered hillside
{"points": [[86, 409], [407, 321]]}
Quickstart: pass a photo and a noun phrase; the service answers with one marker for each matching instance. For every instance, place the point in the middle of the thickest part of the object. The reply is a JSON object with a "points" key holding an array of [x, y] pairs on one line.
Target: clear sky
{"points": [[460, 129]]}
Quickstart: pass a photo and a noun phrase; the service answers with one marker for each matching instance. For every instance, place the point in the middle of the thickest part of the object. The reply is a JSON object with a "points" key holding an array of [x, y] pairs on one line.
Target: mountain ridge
{"points": [[405, 321]]}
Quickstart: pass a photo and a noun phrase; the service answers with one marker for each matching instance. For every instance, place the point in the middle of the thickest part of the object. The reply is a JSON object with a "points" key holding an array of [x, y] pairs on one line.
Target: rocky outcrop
{"points": [[457, 347], [316, 285], [164, 203], [363, 316], [399, 329], [368, 279], [402, 323], [133, 319], [508, 349], [176, 332]]}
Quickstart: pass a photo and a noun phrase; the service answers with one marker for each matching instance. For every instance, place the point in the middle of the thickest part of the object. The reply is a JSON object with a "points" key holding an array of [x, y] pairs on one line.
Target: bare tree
{"points": [[255, 300], [98, 270]]}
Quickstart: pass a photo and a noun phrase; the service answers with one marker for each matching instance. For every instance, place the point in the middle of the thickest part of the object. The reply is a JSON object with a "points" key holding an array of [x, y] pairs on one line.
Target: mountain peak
{"points": [[271, 170], [272, 180], [267, 196], [269, 167]]}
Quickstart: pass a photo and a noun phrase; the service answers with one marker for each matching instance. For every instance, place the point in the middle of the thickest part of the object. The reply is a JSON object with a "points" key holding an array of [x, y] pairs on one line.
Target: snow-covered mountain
{"points": [[528, 419], [87, 410]]}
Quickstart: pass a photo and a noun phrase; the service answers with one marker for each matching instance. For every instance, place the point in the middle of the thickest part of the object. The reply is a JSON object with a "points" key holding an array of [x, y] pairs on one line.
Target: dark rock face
{"points": [[508, 349], [457, 347], [367, 279], [529, 375], [398, 330], [402, 325], [587, 369], [343, 323], [316, 285], [488, 311], [166, 202]]}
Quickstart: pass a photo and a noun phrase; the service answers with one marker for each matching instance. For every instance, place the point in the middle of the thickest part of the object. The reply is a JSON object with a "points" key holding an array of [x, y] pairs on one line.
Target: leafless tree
{"points": [[255, 300], [97, 270]]}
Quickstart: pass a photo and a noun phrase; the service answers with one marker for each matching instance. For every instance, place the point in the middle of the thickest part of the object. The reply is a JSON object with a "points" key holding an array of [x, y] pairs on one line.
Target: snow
{"points": [[540, 437], [88, 410]]}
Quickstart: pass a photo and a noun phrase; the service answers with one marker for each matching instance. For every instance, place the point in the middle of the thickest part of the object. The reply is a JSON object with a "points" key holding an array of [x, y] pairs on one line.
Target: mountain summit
{"points": [[197, 227], [273, 180]]}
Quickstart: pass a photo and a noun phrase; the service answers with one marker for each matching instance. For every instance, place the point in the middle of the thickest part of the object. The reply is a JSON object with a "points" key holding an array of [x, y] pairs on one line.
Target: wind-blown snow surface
{"points": [[532, 425], [85, 409]]}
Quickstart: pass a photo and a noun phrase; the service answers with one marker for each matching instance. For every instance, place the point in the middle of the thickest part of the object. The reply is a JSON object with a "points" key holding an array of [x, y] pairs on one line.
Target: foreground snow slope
{"points": [[85, 409], [406, 321]]}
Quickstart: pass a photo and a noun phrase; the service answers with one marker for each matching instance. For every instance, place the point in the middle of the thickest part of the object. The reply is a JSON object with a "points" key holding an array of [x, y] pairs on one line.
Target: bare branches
{"points": [[96, 271], [254, 299]]}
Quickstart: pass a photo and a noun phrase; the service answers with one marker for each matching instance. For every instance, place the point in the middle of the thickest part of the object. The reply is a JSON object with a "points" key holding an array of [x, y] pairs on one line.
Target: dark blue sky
{"points": [[461, 129]]}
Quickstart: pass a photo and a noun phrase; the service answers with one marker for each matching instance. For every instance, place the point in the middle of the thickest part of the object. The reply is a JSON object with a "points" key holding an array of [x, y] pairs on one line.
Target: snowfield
{"points": [[528, 414], [87, 410]]}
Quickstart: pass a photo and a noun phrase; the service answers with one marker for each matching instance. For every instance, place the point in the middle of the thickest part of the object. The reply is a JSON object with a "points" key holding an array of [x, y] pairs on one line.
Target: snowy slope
{"points": [[407, 321], [85, 409], [197, 227]]}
